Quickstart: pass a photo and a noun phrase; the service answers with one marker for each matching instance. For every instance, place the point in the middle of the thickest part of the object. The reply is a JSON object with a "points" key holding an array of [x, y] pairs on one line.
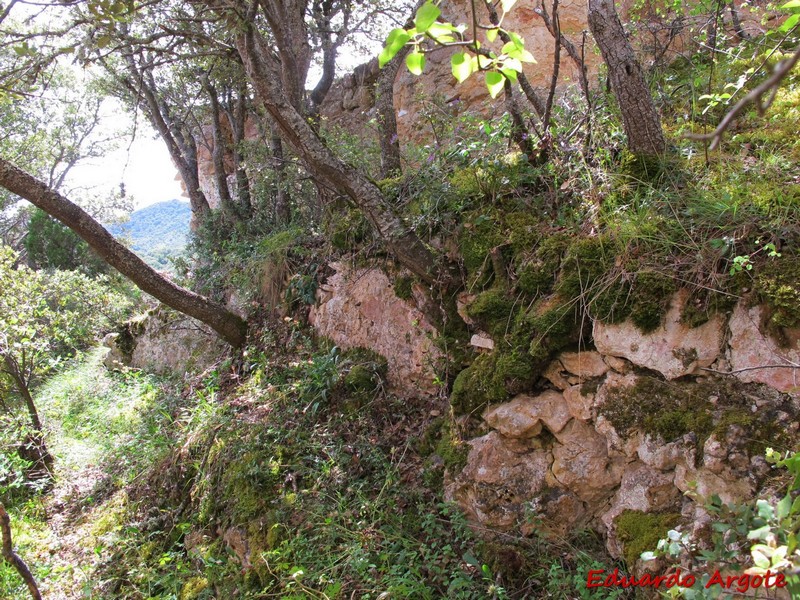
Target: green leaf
{"points": [[426, 16], [784, 506], [510, 74], [442, 32], [791, 4], [491, 35], [495, 82], [512, 64], [461, 65], [507, 4], [415, 62], [397, 39], [789, 23]]}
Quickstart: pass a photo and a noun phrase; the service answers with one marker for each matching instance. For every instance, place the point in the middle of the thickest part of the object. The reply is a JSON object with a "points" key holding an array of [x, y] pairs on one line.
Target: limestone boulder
{"points": [[359, 308], [751, 349], [584, 365], [169, 342], [641, 489], [581, 463], [500, 476], [524, 416], [579, 402], [674, 349], [657, 455]]}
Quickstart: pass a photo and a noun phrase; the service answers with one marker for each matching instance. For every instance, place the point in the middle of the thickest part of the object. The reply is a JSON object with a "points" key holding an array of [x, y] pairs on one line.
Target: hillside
{"points": [[157, 232]]}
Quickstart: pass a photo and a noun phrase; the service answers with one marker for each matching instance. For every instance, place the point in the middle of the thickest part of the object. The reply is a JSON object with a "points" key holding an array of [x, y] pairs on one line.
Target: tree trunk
{"points": [[218, 155], [640, 118], [228, 325], [12, 558], [263, 70], [387, 120], [34, 449]]}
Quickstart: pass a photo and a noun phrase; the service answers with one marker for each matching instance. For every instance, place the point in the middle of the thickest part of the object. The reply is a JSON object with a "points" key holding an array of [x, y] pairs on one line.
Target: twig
{"points": [[770, 87], [12, 558]]}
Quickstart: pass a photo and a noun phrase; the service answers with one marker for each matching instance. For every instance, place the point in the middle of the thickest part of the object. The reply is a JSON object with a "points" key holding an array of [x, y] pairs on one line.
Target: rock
{"points": [[501, 475], [674, 349], [641, 489], [167, 341], [236, 539], [750, 348], [729, 487], [482, 340], [553, 373], [585, 364], [524, 416], [578, 403], [658, 455], [115, 358], [358, 308], [620, 365], [581, 463], [558, 513]]}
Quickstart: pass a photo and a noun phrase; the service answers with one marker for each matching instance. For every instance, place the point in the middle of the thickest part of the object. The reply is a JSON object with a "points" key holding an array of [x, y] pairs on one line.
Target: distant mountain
{"points": [[156, 232]]}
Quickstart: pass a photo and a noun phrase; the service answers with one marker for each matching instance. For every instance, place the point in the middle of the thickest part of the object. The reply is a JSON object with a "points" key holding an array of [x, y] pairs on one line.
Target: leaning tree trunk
{"points": [[228, 325], [13, 558], [263, 70], [640, 118]]}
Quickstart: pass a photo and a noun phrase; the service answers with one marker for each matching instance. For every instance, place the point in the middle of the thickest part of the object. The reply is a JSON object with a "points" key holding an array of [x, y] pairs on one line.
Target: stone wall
{"points": [[630, 423]]}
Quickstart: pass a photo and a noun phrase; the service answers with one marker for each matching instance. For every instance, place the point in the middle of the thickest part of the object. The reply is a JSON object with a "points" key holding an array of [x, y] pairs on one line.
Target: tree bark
{"points": [[640, 118], [13, 558], [263, 70], [387, 120], [228, 325], [218, 154]]}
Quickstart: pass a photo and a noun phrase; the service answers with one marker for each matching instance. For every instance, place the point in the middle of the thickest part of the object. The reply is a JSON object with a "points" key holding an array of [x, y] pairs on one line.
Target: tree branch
{"points": [[768, 88]]}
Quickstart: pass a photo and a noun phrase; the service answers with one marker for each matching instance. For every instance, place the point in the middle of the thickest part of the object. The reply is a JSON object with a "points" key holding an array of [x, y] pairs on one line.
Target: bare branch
{"points": [[762, 96]]}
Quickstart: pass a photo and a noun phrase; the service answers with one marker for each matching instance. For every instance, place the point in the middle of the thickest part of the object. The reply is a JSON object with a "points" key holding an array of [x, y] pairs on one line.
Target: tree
{"points": [[44, 316], [229, 326], [640, 118]]}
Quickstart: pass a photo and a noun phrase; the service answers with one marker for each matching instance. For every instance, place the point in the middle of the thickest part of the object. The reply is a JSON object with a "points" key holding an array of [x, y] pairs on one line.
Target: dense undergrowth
{"points": [[303, 480]]}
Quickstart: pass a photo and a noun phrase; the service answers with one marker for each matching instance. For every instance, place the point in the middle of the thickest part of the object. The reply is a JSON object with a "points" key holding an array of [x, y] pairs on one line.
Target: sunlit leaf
{"points": [[426, 16], [507, 4], [491, 35], [789, 23], [495, 82], [415, 62], [461, 65], [397, 39]]}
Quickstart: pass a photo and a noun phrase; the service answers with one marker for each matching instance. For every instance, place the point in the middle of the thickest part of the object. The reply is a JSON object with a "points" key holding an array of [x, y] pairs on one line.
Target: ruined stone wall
{"points": [[629, 422]]}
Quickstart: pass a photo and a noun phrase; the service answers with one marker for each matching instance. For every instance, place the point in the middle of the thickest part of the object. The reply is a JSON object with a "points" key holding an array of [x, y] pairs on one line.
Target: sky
{"points": [[144, 166]]}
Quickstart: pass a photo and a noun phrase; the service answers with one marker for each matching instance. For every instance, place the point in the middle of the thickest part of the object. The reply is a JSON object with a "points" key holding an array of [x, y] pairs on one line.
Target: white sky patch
{"points": [[145, 169]]}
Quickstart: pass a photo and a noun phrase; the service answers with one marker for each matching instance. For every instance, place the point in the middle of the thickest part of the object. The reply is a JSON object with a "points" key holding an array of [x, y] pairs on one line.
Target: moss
{"points": [[477, 386], [703, 303], [553, 324], [453, 450], [585, 262], [640, 532], [347, 229], [711, 405], [778, 286], [403, 287], [482, 231], [651, 295], [523, 230], [492, 310], [365, 370], [193, 588], [662, 409]]}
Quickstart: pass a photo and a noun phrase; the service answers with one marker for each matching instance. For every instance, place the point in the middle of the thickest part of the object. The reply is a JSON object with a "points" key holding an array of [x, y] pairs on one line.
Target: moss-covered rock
{"points": [[477, 386], [492, 309], [778, 286], [640, 532]]}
